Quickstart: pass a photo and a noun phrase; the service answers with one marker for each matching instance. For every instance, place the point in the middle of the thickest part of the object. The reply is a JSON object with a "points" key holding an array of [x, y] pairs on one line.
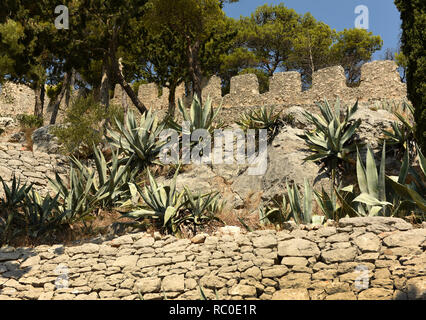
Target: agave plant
{"points": [[413, 194], [372, 200], [291, 207], [328, 204], [277, 213], [161, 202], [199, 209], [199, 117], [78, 201], [331, 141], [42, 214], [136, 139], [13, 202], [402, 135], [111, 183], [263, 118]]}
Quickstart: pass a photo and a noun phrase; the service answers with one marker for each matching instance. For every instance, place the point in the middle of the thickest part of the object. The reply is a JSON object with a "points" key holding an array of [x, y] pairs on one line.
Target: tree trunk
{"points": [[104, 91], [70, 88], [118, 69], [195, 66], [39, 100], [172, 101], [58, 99]]}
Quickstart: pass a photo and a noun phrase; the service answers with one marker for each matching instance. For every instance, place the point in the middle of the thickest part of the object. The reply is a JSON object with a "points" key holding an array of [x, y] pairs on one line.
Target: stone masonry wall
{"points": [[30, 167], [380, 80], [358, 258]]}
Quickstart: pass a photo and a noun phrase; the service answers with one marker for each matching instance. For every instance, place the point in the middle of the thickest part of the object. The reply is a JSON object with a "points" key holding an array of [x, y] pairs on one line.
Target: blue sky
{"points": [[384, 19]]}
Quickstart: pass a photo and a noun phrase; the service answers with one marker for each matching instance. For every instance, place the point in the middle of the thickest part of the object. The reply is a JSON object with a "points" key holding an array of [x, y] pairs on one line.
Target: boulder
{"points": [[44, 141], [372, 124]]}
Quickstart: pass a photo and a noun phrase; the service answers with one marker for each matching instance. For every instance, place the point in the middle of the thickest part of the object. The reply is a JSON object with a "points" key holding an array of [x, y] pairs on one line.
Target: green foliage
{"points": [[412, 195], [290, 207], [311, 47], [27, 213], [402, 136], [84, 126], [78, 202], [174, 210], [413, 15], [86, 189], [138, 140], [200, 209], [42, 215], [402, 62], [261, 118], [14, 197], [111, 184], [53, 91], [328, 204], [29, 121], [199, 116], [383, 195], [269, 34], [332, 140], [353, 48], [162, 202]]}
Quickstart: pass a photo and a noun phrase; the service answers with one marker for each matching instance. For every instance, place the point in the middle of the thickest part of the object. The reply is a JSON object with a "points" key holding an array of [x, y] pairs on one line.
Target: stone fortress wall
{"points": [[358, 258], [380, 80]]}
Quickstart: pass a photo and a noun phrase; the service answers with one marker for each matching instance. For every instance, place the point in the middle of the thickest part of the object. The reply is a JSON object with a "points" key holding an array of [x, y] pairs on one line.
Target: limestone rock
{"points": [[298, 248], [412, 238], [291, 294], [147, 285], [376, 294], [368, 242], [243, 290], [173, 283], [339, 255]]}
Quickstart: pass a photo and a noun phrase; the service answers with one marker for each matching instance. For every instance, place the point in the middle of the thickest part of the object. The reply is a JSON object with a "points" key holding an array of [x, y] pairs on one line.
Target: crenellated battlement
{"points": [[380, 80]]}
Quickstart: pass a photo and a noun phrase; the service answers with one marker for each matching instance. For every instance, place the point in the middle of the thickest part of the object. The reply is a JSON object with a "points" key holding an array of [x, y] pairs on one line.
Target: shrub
{"points": [[84, 126], [29, 121]]}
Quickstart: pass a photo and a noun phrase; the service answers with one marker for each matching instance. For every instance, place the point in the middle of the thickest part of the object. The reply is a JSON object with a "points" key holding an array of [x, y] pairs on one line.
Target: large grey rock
{"points": [[286, 157], [44, 141], [372, 124]]}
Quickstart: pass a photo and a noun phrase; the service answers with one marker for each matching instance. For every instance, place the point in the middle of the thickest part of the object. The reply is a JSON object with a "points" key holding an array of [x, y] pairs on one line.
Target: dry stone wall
{"points": [[30, 167], [380, 80], [358, 258]]}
